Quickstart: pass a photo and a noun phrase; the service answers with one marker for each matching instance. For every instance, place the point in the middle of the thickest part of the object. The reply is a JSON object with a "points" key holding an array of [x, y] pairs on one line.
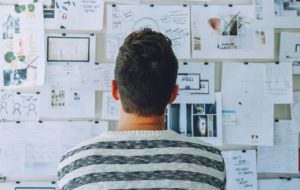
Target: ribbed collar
{"points": [[140, 133]]}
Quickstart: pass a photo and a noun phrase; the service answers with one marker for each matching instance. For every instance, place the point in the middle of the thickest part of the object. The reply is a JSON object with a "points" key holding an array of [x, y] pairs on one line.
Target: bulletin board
{"points": [[64, 74]]}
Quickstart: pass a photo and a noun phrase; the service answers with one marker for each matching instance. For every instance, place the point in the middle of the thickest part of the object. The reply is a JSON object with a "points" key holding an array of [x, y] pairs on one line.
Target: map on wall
{"points": [[22, 54], [225, 32], [173, 21]]}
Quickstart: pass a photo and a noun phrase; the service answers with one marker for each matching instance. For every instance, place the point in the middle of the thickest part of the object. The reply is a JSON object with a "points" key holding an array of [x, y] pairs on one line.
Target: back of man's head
{"points": [[146, 72]]}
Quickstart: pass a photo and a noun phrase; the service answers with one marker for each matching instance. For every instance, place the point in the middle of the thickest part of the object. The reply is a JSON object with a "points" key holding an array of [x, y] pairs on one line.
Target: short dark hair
{"points": [[146, 72]]}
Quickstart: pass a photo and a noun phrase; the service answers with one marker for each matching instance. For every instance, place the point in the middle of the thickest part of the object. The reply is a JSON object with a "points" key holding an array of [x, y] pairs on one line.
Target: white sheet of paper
{"points": [[171, 20], [248, 112], [99, 76], [93, 76], [290, 49], [283, 156], [22, 54], [240, 170], [112, 44], [283, 13], [12, 158], [223, 32], [278, 184], [19, 106], [37, 153], [74, 15], [71, 49], [64, 75], [110, 107], [200, 120], [295, 110], [28, 186], [196, 83], [279, 82], [67, 102]]}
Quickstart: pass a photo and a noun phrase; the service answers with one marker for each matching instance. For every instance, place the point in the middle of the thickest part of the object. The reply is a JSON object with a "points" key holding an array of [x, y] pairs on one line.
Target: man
{"points": [[141, 154]]}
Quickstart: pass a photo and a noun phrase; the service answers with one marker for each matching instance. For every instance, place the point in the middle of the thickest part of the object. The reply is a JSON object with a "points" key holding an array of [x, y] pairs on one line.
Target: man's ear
{"points": [[174, 94], [115, 90]]}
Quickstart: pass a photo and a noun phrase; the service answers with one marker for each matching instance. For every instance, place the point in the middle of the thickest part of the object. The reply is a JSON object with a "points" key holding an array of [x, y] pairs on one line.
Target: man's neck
{"points": [[132, 122]]}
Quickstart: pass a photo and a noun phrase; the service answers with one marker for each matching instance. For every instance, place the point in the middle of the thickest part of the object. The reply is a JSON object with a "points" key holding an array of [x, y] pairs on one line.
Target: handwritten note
{"points": [[240, 170], [279, 82], [173, 21]]}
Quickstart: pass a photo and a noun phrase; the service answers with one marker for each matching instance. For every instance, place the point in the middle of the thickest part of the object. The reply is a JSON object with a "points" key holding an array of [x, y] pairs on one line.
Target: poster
{"points": [[248, 108], [74, 14], [200, 120], [22, 52], [230, 32], [196, 83], [67, 102]]}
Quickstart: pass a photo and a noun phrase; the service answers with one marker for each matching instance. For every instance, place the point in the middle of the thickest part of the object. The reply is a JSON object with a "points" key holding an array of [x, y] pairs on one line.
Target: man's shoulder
{"points": [[141, 140]]}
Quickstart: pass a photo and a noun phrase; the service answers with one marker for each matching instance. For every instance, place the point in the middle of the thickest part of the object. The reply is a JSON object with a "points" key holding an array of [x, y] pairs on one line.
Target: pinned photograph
{"points": [[202, 120]]}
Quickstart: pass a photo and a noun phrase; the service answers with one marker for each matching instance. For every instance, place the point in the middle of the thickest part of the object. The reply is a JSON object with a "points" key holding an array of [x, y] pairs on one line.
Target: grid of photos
{"points": [[194, 120]]}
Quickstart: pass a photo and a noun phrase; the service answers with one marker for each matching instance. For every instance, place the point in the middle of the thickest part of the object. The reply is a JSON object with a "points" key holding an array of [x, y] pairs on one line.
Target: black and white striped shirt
{"points": [[143, 160]]}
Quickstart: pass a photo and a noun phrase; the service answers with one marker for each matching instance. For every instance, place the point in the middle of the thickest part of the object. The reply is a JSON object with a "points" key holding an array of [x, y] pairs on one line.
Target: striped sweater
{"points": [[142, 160]]}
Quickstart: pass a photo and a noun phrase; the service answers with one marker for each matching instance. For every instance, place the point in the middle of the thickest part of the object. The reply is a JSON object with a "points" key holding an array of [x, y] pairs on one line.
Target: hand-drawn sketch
{"points": [[173, 21], [240, 169], [19, 106], [22, 52], [220, 31], [74, 14]]}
